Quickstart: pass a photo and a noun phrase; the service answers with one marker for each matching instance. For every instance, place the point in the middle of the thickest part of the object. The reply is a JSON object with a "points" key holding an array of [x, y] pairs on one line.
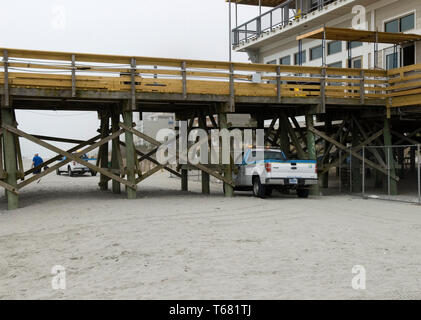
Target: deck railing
{"points": [[75, 72]]}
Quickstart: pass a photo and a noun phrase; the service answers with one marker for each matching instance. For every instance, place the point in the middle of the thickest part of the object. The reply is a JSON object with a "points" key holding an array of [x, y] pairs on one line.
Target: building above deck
{"points": [[288, 19]]}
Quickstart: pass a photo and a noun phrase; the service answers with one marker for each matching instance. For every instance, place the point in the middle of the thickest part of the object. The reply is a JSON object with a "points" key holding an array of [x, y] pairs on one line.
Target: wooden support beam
{"points": [[356, 165], [130, 153], [180, 156], [65, 140], [295, 141], [9, 143], [184, 180], [311, 148], [228, 188], [103, 150], [205, 175], [46, 163], [116, 160], [69, 156], [374, 151], [392, 184], [354, 152]]}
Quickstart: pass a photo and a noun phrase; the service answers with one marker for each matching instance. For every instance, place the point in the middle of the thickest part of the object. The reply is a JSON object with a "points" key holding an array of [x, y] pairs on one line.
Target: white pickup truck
{"points": [[74, 167], [262, 170]]}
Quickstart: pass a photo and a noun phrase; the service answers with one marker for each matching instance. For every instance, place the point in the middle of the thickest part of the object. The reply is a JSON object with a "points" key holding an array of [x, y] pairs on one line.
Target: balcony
{"points": [[281, 15]]}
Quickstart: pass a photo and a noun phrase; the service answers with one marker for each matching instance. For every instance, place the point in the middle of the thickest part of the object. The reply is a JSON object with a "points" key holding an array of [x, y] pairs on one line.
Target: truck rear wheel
{"points": [[70, 172], [303, 193], [58, 172], [258, 188]]}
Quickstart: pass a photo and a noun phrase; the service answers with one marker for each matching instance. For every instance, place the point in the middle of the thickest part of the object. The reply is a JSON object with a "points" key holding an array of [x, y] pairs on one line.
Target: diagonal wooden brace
{"points": [[157, 143], [354, 153], [71, 156]]}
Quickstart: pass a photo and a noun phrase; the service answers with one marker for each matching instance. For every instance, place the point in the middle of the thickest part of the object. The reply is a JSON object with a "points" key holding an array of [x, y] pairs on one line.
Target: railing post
{"points": [[232, 88], [278, 83], [323, 90], [133, 82], [6, 78], [73, 76], [184, 79], [362, 87]]}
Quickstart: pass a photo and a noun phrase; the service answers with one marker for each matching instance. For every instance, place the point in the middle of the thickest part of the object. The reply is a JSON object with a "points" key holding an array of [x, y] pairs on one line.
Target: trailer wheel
{"points": [[258, 189]]}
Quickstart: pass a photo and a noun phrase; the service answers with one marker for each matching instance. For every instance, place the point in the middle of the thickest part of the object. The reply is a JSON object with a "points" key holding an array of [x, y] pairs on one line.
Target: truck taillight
{"points": [[268, 167], [315, 168]]}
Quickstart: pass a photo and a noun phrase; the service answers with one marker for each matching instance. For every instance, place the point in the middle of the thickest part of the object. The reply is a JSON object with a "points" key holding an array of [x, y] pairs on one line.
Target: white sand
{"points": [[169, 244]]}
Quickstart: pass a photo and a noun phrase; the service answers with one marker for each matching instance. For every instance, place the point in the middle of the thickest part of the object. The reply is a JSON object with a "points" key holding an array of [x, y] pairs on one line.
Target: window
{"points": [[401, 24], [316, 52], [271, 62], [285, 60], [354, 44], [334, 47], [391, 61], [408, 23], [335, 64], [303, 58], [357, 63]]}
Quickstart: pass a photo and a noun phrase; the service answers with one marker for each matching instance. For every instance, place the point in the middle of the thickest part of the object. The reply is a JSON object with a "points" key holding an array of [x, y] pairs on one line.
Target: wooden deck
{"points": [[74, 76]]}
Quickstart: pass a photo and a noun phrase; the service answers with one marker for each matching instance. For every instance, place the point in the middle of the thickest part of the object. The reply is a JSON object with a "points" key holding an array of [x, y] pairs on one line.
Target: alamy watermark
{"points": [[217, 147]]}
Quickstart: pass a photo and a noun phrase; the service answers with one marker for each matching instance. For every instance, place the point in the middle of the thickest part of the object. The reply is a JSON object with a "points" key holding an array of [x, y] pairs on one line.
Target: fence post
{"points": [[340, 171], [350, 169], [388, 171], [363, 182], [419, 175]]}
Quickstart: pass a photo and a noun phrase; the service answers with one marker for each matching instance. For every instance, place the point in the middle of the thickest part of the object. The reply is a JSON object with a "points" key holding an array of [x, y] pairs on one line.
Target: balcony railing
{"points": [[278, 16]]}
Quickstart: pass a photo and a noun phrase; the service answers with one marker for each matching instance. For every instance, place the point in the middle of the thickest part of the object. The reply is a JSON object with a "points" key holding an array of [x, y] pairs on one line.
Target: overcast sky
{"points": [[190, 29]]}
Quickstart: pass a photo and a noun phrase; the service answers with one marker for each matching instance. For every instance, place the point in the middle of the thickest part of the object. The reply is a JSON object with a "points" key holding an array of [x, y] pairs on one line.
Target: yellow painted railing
{"points": [[77, 71]]}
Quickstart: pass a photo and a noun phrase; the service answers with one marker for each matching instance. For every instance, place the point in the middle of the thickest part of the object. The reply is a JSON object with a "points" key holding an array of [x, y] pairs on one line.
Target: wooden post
{"points": [[130, 150], [283, 129], [388, 142], [311, 149], [115, 119], [412, 158], [328, 129], [10, 158], [356, 163], [103, 150], [205, 175], [228, 189], [184, 180]]}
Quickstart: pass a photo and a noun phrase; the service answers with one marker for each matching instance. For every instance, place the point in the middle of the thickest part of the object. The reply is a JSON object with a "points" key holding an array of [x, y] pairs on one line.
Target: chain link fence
{"points": [[381, 172]]}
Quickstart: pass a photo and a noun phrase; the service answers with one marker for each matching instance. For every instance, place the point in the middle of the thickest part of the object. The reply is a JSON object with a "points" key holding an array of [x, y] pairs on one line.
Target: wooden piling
{"points": [[311, 149], [115, 165], [103, 150], [389, 157], [10, 158], [228, 189], [130, 150]]}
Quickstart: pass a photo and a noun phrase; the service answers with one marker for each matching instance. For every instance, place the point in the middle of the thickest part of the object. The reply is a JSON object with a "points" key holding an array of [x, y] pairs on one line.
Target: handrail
{"points": [[284, 19], [82, 71]]}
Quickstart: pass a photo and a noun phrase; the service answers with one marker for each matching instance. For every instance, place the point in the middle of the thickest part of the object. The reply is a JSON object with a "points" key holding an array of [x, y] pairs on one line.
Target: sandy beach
{"points": [[173, 245]]}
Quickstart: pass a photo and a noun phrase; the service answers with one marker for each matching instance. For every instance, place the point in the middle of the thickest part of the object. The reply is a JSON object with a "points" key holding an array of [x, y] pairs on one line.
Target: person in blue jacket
{"points": [[36, 161]]}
